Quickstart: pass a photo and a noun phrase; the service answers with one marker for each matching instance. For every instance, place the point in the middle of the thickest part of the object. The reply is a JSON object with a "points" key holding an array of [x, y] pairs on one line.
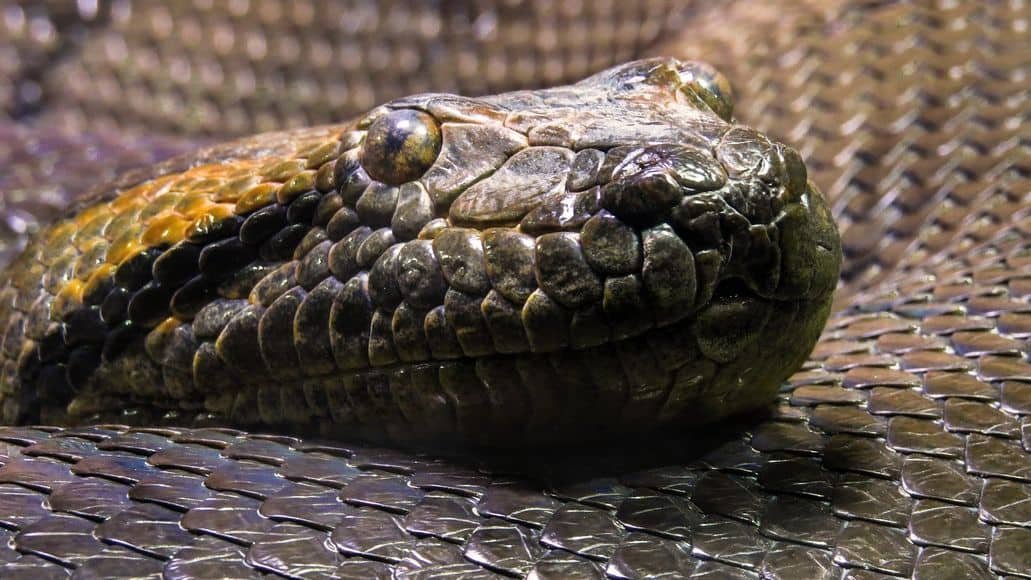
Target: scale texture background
{"points": [[903, 448]]}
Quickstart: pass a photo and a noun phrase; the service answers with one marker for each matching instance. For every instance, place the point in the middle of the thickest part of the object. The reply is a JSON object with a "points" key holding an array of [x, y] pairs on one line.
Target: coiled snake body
{"points": [[575, 265]]}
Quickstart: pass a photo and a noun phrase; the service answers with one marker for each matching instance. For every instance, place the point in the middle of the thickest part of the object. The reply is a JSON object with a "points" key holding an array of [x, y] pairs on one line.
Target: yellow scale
{"points": [[166, 210]]}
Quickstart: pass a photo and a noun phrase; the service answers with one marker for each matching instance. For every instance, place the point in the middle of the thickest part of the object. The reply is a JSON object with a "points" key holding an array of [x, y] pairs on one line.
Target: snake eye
{"points": [[400, 146], [709, 85]]}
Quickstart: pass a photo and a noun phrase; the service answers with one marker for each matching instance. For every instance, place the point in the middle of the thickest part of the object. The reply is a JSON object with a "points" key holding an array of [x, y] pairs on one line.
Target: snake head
{"points": [[605, 211], [604, 258]]}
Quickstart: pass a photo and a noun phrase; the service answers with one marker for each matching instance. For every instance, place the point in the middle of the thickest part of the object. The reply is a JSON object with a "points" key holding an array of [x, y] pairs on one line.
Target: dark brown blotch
{"points": [[302, 209], [177, 265], [281, 246], [263, 224], [191, 297], [134, 272], [150, 305], [222, 258]]}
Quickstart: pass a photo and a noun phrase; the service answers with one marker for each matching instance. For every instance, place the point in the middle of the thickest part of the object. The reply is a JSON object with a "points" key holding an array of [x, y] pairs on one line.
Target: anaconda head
{"points": [[608, 258]]}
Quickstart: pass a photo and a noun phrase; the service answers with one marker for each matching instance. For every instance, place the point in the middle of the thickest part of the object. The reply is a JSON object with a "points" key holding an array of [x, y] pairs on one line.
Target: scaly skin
{"points": [[607, 258]]}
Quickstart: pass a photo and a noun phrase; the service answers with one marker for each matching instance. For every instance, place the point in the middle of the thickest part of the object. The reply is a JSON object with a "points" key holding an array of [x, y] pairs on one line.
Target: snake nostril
{"points": [[795, 174], [733, 287]]}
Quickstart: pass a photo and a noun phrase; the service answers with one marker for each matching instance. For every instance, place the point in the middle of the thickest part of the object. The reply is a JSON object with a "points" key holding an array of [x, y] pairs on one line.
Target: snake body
{"points": [[900, 448]]}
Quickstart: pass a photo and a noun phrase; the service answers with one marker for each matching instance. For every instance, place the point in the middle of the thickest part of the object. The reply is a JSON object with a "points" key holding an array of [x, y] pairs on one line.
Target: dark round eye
{"points": [[400, 146], [711, 87]]}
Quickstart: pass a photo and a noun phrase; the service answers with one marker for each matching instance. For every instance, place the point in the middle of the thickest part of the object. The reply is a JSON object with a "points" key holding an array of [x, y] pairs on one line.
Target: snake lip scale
{"points": [[602, 259]]}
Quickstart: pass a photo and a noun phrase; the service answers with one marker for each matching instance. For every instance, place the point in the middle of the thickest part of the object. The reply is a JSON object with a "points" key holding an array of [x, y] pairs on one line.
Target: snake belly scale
{"points": [[607, 258]]}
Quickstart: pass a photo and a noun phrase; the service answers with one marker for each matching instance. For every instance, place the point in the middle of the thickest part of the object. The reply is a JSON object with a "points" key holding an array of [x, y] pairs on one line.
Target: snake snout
{"points": [[770, 170]]}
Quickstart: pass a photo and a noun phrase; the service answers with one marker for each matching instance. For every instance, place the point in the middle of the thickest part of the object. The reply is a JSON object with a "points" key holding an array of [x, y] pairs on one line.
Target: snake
{"points": [[442, 266], [599, 287]]}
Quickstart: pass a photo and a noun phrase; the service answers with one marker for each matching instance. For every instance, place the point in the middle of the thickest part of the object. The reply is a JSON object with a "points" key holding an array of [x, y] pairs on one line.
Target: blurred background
{"points": [[233, 67]]}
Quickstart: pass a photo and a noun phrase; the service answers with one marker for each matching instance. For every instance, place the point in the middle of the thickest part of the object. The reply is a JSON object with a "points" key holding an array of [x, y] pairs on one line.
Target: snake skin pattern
{"points": [[901, 449]]}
